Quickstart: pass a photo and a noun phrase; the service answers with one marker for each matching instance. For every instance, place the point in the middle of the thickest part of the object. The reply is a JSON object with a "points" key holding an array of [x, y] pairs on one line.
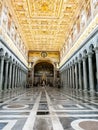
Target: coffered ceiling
{"points": [[45, 24]]}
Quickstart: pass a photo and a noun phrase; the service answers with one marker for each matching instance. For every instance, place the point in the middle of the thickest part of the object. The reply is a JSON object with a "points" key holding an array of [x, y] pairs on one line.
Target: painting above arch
{"points": [[35, 56]]}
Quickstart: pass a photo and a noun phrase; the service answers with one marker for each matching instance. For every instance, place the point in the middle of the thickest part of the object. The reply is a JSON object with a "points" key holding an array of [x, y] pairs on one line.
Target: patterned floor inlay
{"points": [[2, 125], [7, 124], [43, 124], [48, 108], [89, 125], [43, 107], [85, 124], [15, 106], [42, 112]]}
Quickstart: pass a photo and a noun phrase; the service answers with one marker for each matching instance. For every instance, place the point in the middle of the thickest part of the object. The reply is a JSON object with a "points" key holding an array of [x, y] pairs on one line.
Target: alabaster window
{"points": [[83, 19], [17, 40], [0, 11], [75, 31], [61, 54], [15, 35], [9, 22], [95, 3], [12, 34], [63, 51], [64, 47], [19, 43], [23, 49], [78, 24], [4, 17], [88, 10]]}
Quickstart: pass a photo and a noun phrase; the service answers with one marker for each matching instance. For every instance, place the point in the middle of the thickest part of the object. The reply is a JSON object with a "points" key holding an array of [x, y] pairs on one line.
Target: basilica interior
{"points": [[48, 65]]}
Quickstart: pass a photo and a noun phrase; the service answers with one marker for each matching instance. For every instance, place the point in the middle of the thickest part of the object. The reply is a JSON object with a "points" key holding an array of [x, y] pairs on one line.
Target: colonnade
{"points": [[81, 72], [12, 74]]}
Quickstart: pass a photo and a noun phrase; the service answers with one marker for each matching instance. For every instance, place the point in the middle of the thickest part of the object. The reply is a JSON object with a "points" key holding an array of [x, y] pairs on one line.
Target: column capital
{"points": [[90, 54], [84, 58], [2, 57], [76, 62], [13, 64], [10, 62], [7, 61], [18, 66], [70, 65], [1, 54], [80, 60], [96, 49]]}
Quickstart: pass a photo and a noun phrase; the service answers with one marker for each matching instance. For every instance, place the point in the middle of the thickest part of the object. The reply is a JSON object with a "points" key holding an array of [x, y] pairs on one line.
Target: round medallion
{"points": [[44, 54]]}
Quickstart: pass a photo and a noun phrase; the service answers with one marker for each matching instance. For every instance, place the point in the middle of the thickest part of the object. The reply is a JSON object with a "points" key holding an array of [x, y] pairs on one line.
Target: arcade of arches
{"points": [[48, 65]]}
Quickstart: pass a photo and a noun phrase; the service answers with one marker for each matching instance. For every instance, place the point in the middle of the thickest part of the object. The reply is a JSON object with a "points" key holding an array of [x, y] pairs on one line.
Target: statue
{"points": [[43, 79]]}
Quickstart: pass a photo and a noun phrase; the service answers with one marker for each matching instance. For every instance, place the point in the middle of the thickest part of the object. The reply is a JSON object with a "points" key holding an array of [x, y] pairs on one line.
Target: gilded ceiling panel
{"points": [[45, 23]]}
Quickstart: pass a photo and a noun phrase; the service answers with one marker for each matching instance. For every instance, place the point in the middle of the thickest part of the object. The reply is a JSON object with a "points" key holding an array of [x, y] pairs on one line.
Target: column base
{"points": [[80, 90], [6, 90], [1, 91], [10, 89], [92, 91], [85, 91]]}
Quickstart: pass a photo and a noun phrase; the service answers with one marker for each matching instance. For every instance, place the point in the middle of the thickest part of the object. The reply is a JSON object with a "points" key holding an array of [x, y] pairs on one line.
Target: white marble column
{"points": [[91, 73], [73, 76], [13, 78], [80, 74], [25, 79], [85, 74], [6, 74], [10, 75], [68, 77], [22, 77], [96, 52], [76, 75], [1, 71], [18, 77]]}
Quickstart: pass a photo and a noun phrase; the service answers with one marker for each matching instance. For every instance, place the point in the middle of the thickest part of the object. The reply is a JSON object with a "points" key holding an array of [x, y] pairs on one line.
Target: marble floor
{"points": [[48, 108]]}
